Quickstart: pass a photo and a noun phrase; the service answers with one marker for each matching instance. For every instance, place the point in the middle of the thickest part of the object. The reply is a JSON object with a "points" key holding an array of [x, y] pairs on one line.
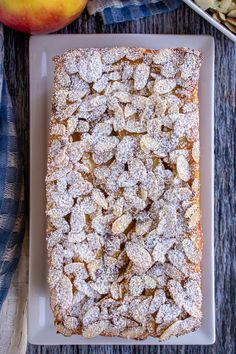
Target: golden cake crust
{"points": [[124, 235]]}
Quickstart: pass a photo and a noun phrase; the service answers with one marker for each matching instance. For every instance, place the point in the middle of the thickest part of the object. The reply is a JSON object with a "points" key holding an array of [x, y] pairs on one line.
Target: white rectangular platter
{"points": [[42, 48]]}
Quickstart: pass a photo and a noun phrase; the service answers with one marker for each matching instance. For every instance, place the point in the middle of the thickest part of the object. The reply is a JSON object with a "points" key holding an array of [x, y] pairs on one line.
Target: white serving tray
{"points": [[42, 48], [210, 19]]}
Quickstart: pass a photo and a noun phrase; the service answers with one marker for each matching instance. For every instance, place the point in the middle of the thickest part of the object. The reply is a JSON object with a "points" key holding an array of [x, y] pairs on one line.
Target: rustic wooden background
{"points": [[182, 21]]}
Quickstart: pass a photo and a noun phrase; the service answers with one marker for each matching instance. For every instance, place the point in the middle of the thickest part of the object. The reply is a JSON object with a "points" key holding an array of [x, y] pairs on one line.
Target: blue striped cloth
{"points": [[114, 11], [11, 187]]}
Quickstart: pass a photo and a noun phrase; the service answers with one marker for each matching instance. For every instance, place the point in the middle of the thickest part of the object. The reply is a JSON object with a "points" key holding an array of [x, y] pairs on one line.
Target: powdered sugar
{"points": [[122, 204]]}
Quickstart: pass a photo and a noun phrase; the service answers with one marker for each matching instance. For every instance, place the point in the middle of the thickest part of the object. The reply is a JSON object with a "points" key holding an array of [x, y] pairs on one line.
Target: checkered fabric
{"points": [[113, 11], [11, 187]]}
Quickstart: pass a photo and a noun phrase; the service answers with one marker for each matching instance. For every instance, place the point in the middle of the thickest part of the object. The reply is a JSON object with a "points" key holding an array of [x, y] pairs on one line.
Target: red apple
{"points": [[39, 16]]}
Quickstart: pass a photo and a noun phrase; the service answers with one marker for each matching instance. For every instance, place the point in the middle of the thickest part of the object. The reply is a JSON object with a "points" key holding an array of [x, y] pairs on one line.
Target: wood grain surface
{"points": [[182, 21]]}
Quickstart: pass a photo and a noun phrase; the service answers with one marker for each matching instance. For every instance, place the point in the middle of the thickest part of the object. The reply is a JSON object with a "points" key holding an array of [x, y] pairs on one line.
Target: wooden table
{"points": [[182, 21]]}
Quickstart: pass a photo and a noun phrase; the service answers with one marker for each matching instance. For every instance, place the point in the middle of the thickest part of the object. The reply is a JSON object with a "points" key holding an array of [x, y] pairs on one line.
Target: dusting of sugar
{"points": [[122, 212]]}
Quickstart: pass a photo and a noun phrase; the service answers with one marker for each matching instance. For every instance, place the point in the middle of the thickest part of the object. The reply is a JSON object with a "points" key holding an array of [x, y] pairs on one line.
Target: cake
{"points": [[124, 233]]}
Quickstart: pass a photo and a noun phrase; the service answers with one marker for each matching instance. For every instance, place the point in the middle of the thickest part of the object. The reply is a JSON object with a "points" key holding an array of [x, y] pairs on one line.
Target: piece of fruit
{"points": [[40, 16]]}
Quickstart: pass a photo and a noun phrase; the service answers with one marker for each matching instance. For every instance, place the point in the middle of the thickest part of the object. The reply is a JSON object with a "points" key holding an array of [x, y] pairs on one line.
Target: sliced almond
{"points": [[183, 168], [149, 282], [188, 297], [141, 228], [77, 269], [115, 293], [162, 56], [221, 16], [224, 5], [167, 313], [136, 286], [232, 6], [118, 207], [138, 255], [141, 310], [65, 293], [132, 333], [158, 300], [61, 156], [164, 86], [230, 27], [93, 267], [91, 315], [63, 329], [147, 143], [95, 329], [141, 74], [99, 198], [216, 16], [205, 4], [143, 193], [196, 185], [196, 151], [232, 21], [121, 224], [191, 250], [232, 13], [161, 249], [123, 97], [71, 322], [90, 67], [193, 214], [180, 327]]}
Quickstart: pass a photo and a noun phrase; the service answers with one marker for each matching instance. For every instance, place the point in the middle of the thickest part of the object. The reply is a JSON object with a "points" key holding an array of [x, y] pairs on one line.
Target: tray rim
{"points": [[35, 41]]}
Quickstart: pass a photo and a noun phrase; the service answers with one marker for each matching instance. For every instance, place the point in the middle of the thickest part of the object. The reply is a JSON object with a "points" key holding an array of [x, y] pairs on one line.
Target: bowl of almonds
{"points": [[220, 13]]}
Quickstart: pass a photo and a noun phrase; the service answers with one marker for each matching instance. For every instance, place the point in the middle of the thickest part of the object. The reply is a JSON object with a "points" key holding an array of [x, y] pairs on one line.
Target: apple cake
{"points": [[123, 232]]}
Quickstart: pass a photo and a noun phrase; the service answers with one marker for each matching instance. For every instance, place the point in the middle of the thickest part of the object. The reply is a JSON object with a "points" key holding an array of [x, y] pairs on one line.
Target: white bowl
{"points": [[210, 19]]}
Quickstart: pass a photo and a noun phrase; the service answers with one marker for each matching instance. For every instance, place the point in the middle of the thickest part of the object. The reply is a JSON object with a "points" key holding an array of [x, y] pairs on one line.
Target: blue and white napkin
{"points": [[11, 187], [114, 11]]}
